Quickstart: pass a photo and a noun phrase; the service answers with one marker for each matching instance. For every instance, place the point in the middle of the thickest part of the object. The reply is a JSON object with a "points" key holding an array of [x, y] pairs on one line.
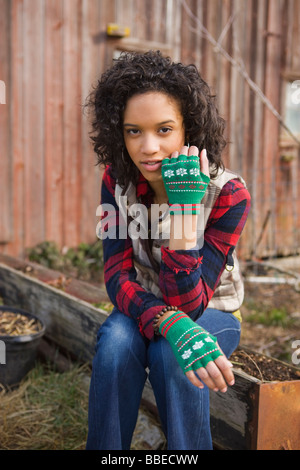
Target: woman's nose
{"points": [[150, 145]]}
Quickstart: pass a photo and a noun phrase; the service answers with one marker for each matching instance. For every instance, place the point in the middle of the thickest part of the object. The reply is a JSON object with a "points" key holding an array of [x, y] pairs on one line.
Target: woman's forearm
{"points": [[183, 233]]}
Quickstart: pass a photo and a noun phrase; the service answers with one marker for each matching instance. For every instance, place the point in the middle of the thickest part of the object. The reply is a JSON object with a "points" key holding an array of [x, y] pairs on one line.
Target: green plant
{"points": [[84, 261], [270, 317], [46, 253]]}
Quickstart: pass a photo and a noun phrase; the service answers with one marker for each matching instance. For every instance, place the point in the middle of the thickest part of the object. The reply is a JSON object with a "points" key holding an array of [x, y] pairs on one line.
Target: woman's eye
{"points": [[165, 130], [132, 131]]}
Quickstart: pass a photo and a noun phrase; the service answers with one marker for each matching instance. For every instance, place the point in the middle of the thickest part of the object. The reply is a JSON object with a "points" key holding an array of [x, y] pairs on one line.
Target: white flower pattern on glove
{"points": [[198, 345], [186, 354], [195, 172], [169, 173], [181, 171]]}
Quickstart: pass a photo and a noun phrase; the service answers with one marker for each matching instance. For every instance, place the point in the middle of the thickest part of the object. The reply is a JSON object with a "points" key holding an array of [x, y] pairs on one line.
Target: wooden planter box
{"points": [[256, 415], [71, 322], [252, 415]]}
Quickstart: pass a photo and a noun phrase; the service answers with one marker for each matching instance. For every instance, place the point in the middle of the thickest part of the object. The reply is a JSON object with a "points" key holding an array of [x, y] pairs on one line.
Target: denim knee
{"points": [[225, 326], [118, 341]]}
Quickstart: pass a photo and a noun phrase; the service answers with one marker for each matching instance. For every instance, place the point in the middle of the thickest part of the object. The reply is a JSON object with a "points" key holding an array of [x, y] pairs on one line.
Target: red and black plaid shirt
{"points": [[187, 278]]}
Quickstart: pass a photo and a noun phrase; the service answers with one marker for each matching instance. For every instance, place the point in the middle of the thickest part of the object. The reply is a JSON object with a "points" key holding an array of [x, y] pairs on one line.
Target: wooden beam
{"points": [[233, 414], [70, 322]]}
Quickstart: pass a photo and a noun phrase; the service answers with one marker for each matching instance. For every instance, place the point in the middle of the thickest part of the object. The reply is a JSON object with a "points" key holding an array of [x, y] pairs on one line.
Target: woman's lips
{"points": [[151, 166]]}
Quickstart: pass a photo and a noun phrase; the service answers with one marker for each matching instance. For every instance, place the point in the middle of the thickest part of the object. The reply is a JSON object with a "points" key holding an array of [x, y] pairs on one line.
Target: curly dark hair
{"points": [[137, 73]]}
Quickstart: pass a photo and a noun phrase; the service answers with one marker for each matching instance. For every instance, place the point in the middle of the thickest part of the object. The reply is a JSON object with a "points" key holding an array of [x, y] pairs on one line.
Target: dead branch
{"points": [[238, 64]]}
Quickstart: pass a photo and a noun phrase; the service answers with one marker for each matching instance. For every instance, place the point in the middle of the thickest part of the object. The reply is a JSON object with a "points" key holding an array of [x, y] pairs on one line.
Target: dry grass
{"points": [[48, 411]]}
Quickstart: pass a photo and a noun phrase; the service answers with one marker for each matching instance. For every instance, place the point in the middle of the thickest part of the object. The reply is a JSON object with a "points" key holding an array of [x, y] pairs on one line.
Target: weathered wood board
{"points": [[87, 291], [70, 322], [257, 415], [233, 414]]}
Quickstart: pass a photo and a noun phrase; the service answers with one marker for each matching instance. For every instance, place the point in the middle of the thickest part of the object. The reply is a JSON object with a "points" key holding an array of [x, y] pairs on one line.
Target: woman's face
{"points": [[153, 130]]}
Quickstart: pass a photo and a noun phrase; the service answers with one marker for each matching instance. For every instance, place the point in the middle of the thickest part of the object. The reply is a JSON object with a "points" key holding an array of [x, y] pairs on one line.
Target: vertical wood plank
{"points": [[186, 24], [173, 25], [255, 179], [33, 115], [149, 6], [296, 36], [289, 16], [211, 57], [5, 116], [272, 91], [160, 21], [72, 122], [93, 21], [224, 71], [54, 145], [237, 87], [16, 247], [124, 14], [198, 38], [249, 59]]}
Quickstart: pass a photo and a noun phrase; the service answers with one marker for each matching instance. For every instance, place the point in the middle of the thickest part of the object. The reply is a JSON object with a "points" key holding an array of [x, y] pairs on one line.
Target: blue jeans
{"points": [[119, 375]]}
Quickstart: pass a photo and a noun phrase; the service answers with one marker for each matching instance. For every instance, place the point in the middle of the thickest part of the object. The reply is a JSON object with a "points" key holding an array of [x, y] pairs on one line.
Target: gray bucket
{"points": [[18, 353]]}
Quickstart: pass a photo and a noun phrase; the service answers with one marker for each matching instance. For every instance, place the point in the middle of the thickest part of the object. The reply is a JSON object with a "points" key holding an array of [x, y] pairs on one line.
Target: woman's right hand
{"points": [[186, 177]]}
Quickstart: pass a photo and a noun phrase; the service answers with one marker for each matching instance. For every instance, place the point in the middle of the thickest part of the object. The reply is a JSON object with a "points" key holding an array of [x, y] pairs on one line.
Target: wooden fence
{"points": [[52, 51]]}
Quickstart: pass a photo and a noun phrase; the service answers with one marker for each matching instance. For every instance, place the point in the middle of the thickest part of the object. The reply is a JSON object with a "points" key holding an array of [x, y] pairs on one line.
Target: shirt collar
{"points": [[143, 189]]}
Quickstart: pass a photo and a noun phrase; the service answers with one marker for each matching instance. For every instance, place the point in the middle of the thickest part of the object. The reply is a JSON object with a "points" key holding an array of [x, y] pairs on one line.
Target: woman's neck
{"points": [[160, 194]]}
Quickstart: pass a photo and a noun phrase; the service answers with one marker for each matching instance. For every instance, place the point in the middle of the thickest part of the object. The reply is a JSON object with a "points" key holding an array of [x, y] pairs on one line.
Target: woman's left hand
{"points": [[197, 351], [216, 375]]}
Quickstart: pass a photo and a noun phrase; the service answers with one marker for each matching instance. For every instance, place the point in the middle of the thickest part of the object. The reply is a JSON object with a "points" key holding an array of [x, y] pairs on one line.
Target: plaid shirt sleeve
{"points": [[187, 278]]}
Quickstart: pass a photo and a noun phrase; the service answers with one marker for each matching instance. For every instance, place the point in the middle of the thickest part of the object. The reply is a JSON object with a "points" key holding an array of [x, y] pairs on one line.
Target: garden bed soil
{"points": [[263, 367]]}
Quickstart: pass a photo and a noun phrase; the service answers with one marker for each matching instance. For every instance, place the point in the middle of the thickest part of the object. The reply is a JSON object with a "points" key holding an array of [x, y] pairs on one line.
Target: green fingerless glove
{"points": [[185, 183], [193, 346]]}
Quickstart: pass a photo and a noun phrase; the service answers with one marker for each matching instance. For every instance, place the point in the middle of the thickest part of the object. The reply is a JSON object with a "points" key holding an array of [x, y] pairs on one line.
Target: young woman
{"points": [[177, 289]]}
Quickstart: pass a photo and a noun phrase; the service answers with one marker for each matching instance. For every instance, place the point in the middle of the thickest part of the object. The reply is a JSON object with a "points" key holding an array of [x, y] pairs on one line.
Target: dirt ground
{"points": [[271, 316]]}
